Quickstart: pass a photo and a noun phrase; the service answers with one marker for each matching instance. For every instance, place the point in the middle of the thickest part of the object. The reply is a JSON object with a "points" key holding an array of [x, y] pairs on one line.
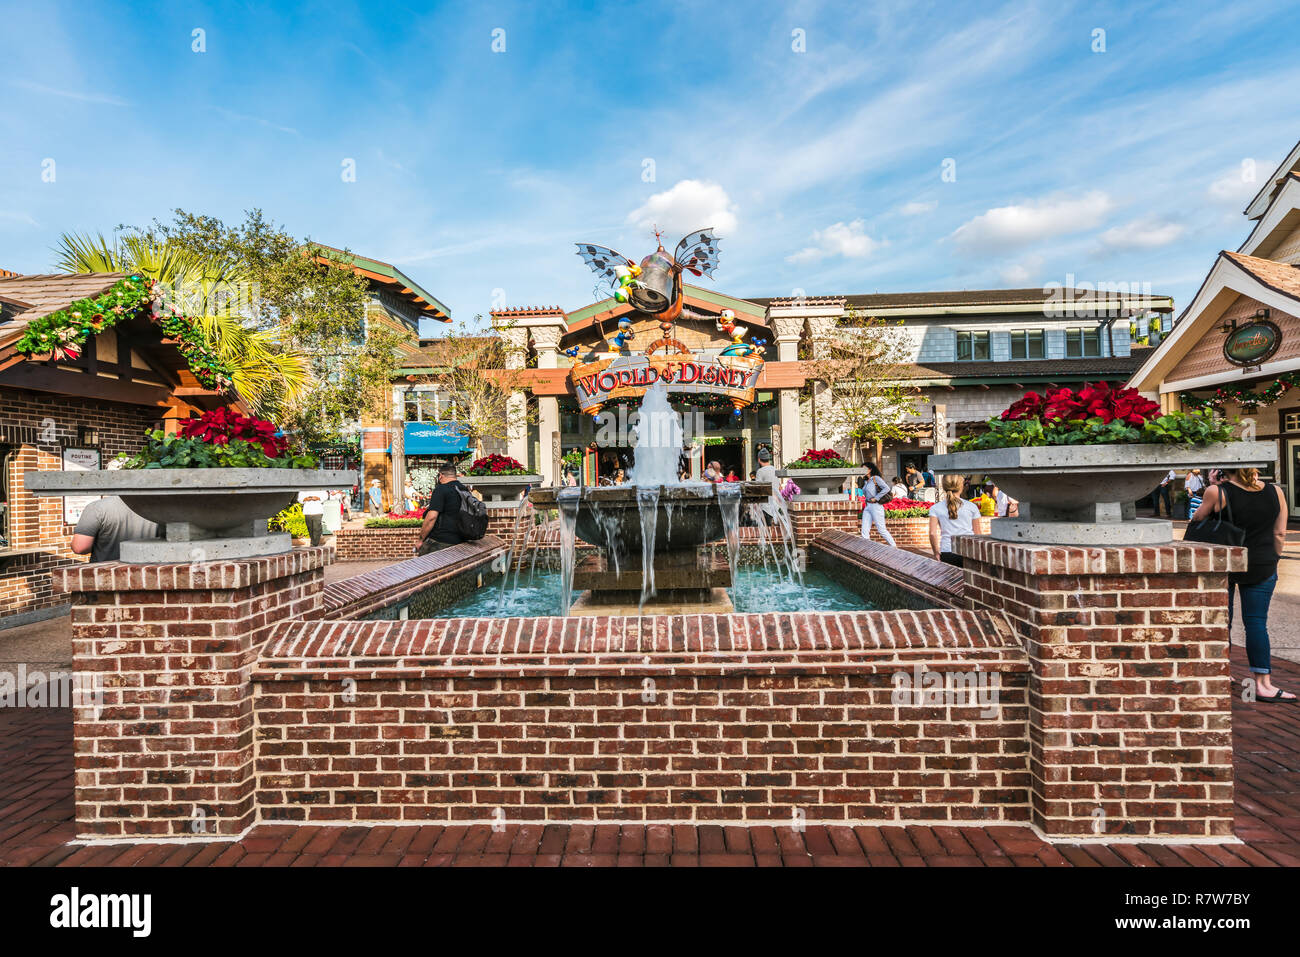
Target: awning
{"points": [[434, 438]]}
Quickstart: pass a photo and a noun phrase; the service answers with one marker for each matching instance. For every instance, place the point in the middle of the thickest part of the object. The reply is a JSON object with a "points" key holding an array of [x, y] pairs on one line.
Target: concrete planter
{"points": [[1084, 494], [822, 485], [206, 514], [502, 489]]}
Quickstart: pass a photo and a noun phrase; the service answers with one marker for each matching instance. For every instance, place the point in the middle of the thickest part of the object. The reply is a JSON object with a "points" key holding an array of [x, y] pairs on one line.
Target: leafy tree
{"points": [[265, 372], [316, 308], [479, 376], [865, 367]]}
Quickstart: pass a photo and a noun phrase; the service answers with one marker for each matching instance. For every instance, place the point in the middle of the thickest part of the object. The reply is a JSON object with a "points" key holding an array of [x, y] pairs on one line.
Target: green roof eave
{"points": [[389, 270]]}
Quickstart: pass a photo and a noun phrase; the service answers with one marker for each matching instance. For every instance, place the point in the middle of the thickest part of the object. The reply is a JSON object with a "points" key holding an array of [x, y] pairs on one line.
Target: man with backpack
{"points": [[454, 515]]}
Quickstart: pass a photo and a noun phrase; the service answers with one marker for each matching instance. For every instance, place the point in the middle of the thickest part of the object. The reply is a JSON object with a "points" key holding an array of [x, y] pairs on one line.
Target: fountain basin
{"points": [[688, 515]]}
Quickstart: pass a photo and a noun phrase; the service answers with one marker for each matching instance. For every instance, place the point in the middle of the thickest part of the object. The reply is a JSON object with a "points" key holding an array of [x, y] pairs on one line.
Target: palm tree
{"points": [[264, 372]]}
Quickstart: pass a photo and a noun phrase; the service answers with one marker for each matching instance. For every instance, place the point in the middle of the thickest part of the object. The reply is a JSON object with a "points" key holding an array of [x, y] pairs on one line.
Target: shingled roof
{"points": [[1120, 367], [26, 298], [1280, 277]]}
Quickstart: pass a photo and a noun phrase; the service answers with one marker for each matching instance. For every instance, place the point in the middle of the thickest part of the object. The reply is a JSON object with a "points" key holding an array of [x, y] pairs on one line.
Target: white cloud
{"points": [[1237, 186], [839, 239], [1147, 233], [1036, 220], [1021, 273], [916, 207], [689, 205]]}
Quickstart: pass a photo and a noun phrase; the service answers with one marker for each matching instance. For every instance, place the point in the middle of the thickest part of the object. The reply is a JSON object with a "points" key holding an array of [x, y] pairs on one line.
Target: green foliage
{"points": [[66, 331], [162, 451], [394, 522], [316, 309], [289, 520], [1201, 427]]}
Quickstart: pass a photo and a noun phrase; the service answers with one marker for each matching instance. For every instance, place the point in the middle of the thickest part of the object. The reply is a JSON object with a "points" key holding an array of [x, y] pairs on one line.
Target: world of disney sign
{"points": [[733, 376]]}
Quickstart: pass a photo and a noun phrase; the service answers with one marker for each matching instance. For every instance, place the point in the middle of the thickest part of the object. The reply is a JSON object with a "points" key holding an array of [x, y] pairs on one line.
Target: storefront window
{"points": [[1027, 344], [972, 346]]}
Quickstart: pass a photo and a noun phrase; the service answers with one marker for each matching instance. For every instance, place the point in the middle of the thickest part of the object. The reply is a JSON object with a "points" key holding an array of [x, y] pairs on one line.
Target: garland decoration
{"points": [[62, 334], [1248, 399]]}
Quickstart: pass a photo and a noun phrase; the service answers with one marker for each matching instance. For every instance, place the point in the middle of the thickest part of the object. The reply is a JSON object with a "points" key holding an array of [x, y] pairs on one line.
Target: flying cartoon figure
{"points": [[654, 286]]}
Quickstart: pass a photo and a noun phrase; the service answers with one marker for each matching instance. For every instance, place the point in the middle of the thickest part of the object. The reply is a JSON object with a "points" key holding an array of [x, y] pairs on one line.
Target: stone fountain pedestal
{"points": [[671, 523], [686, 582]]}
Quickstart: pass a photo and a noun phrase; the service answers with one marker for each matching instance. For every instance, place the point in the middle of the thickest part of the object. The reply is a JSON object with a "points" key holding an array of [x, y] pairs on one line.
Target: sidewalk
{"points": [[36, 824]]}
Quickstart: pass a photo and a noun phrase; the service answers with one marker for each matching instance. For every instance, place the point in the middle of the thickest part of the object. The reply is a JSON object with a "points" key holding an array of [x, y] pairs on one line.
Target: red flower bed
{"points": [[495, 464], [1097, 400], [224, 425]]}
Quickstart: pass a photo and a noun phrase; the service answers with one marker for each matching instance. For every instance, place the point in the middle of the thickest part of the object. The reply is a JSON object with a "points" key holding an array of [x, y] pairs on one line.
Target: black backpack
{"points": [[472, 517]]}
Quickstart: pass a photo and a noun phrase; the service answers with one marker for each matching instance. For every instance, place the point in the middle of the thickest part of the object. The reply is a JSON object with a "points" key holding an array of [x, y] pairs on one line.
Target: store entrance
{"points": [[1292, 478], [731, 456]]}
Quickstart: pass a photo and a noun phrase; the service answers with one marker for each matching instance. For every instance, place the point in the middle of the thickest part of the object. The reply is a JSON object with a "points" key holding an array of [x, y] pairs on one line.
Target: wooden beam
{"points": [[41, 378]]}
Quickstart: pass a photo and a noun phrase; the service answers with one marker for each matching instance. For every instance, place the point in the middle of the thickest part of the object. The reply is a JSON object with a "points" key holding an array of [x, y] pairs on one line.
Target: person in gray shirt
{"points": [[103, 527]]}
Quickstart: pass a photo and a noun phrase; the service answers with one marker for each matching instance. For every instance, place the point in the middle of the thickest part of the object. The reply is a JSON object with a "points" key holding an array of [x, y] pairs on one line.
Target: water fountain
{"points": [[652, 533]]}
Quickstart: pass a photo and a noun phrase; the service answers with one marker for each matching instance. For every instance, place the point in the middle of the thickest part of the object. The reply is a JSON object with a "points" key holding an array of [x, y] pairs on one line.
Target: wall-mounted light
{"points": [[87, 435]]}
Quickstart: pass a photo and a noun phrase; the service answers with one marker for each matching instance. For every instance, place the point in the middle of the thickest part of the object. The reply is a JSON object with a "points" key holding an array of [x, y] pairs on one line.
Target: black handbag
{"points": [[1215, 530]]}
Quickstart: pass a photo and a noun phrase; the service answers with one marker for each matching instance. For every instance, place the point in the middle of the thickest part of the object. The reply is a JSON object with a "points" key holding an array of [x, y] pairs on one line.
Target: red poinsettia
{"points": [[495, 464], [224, 425], [1098, 400], [821, 455]]}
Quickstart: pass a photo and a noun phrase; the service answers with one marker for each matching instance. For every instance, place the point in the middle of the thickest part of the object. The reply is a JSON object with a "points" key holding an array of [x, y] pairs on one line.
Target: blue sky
{"points": [[477, 170]]}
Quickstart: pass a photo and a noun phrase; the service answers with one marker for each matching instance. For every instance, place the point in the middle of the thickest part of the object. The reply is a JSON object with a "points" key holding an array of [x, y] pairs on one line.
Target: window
{"points": [[972, 346], [1027, 344], [6, 462], [1082, 343], [1291, 422]]}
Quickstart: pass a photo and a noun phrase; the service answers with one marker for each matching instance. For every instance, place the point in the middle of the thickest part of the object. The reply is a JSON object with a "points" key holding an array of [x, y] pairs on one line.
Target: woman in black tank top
{"points": [[1260, 509]]}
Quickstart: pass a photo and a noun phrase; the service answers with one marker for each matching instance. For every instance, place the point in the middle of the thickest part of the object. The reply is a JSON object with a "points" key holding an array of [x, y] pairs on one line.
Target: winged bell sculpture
{"points": [[654, 286]]}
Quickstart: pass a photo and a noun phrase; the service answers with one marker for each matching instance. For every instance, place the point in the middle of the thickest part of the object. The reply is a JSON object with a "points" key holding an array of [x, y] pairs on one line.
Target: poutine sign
{"points": [[731, 375]]}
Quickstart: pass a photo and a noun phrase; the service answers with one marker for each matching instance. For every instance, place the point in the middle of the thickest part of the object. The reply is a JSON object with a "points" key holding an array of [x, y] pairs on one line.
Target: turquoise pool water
{"points": [[755, 590]]}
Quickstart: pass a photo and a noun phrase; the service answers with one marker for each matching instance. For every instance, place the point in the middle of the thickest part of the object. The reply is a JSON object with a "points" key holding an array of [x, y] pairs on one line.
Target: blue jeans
{"points": [[1254, 615]]}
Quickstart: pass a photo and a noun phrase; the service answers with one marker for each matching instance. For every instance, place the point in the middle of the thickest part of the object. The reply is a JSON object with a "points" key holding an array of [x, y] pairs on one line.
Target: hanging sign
{"points": [[733, 376], [1252, 344]]}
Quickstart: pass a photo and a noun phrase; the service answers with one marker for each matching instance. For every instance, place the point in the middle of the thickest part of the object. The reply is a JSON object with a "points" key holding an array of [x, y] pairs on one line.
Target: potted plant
{"points": [[1077, 461], [820, 473], [212, 486], [500, 479]]}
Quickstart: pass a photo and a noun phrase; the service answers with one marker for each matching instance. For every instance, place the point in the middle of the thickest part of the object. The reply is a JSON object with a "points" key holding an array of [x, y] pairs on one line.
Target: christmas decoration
{"points": [[1246, 397], [62, 334]]}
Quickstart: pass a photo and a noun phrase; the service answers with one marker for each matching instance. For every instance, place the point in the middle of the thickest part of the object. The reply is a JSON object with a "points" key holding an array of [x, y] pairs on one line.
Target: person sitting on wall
{"points": [[439, 529], [103, 527], [899, 489]]}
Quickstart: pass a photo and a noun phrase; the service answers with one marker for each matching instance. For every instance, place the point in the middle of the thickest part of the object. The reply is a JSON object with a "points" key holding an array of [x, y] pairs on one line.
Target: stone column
{"points": [[821, 333], [516, 348], [546, 342], [787, 328], [1130, 697], [169, 749]]}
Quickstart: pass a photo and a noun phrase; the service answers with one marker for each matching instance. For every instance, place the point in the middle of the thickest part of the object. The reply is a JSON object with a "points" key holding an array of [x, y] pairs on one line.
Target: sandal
{"points": [[1274, 698]]}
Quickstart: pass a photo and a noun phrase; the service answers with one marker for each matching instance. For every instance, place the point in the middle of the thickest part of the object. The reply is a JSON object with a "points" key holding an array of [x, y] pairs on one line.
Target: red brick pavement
{"points": [[36, 824]]}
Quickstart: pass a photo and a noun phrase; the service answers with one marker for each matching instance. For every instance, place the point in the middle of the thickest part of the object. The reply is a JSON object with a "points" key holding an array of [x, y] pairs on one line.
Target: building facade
{"points": [[1237, 344], [970, 355]]}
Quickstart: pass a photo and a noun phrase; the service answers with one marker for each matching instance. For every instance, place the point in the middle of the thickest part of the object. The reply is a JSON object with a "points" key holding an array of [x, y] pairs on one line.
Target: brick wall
{"points": [[398, 544], [387, 588], [38, 426], [168, 751], [375, 544], [888, 577], [810, 519], [746, 718], [1130, 699]]}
